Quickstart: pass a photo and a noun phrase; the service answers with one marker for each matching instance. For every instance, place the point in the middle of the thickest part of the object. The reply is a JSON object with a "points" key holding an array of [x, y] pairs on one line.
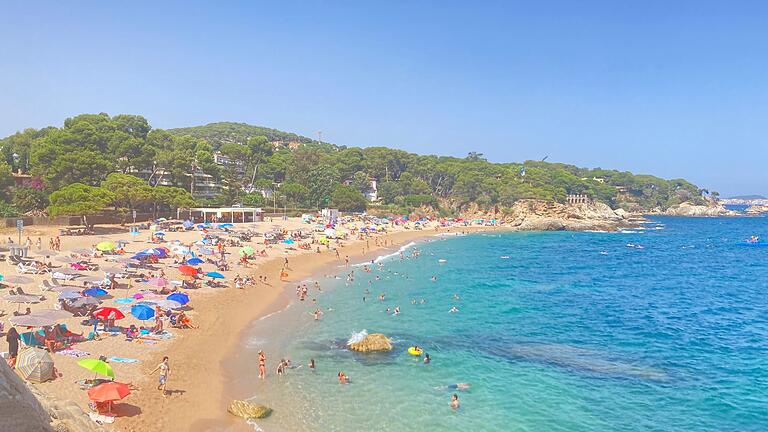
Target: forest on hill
{"points": [[97, 161]]}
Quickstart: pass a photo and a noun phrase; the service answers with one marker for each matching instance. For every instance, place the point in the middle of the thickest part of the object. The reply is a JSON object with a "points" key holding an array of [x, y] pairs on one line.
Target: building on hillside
{"points": [[229, 163], [372, 193]]}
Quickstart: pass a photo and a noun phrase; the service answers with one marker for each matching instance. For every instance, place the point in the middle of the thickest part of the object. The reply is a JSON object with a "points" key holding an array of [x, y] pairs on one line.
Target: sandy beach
{"points": [[196, 398]]}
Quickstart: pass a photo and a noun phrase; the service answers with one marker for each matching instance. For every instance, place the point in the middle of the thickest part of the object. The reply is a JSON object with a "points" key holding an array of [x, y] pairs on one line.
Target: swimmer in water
{"points": [[453, 310], [427, 359], [455, 401], [456, 297], [434, 278], [459, 386], [311, 364]]}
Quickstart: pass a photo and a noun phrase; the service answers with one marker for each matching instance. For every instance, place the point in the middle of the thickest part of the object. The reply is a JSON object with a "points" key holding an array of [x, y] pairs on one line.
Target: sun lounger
{"points": [[22, 268]]}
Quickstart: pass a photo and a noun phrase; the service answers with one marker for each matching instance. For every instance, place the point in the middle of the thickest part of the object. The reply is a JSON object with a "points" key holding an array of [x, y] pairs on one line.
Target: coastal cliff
{"points": [[757, 210], [539, 215], [688, 209]]}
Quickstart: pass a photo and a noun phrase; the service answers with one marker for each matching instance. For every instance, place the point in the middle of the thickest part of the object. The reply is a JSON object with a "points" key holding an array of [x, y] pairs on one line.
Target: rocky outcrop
{"points": [[536, 215], [372, 342], [19, 408], [709, 210], [248, 410], [756, 210]]}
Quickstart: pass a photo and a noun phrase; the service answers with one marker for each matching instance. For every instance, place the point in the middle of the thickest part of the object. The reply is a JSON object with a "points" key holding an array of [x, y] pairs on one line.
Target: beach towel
{"points": [[122, 360], [100, 419], [73, 353]]}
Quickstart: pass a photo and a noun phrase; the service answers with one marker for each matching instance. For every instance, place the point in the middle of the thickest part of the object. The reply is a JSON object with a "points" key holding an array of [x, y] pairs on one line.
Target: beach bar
{"points": [[223, 214]]}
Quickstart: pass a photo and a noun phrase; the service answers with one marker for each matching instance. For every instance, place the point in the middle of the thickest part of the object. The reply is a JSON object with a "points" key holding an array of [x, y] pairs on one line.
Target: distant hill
{"points": [[748, 197], [230, 132]]}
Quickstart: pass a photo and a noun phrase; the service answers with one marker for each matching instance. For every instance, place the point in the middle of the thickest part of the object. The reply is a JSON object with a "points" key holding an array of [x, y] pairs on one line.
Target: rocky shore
{"points": [[712, 209], [757, 210], [25, 408]]}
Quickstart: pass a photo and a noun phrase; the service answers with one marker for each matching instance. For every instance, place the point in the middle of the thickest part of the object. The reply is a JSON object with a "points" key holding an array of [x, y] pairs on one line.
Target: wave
{"points": [[383, 257]]}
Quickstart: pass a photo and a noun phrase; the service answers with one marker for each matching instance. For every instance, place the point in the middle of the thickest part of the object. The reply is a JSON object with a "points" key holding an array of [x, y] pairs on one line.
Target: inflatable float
{"points": [[415, 351]]}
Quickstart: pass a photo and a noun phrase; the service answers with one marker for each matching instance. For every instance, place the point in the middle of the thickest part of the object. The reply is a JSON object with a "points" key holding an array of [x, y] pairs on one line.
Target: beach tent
{"points": [[35, 365]]}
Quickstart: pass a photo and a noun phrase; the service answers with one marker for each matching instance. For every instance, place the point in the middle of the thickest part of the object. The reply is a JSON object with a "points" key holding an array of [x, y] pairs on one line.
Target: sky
{"points": [[675, 89]]}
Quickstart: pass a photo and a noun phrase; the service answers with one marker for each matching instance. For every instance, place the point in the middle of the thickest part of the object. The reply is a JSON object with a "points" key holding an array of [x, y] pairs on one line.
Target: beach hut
{"points": [[35, 365]]}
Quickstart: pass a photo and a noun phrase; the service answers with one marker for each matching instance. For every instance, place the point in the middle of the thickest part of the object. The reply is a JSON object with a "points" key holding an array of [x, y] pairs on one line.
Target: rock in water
{"points": [[372, 342], [248, 410]]}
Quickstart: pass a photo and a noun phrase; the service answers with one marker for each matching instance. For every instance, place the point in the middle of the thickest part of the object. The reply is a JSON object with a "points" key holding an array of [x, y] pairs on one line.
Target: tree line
{"points": [[121, 162]]}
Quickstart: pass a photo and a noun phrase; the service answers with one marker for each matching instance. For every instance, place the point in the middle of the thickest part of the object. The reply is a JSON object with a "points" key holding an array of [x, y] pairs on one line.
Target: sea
{"points": [[661, 328]]}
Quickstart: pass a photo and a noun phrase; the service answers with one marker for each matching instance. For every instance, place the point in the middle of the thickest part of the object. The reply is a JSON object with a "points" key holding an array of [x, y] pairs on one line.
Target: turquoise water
{"points": [[573, 332]]}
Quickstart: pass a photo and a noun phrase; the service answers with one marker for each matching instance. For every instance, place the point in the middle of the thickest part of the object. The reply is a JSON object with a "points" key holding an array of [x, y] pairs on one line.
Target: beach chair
{"points": [[46, 286], [22, 268]]}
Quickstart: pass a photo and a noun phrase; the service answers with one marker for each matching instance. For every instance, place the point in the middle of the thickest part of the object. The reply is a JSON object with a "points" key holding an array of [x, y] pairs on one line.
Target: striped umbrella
{"points": [[35, 365]]}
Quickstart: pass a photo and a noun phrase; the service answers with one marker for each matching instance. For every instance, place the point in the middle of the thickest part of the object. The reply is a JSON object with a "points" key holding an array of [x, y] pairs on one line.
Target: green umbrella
{"points": [[106, 246], [246, 250], [97, 366]]}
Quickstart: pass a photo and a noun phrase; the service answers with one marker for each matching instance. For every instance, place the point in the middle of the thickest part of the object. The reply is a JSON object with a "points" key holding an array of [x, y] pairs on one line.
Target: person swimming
{"points": [[455, 401], [427, 359], [459, 386], [453, 309]]}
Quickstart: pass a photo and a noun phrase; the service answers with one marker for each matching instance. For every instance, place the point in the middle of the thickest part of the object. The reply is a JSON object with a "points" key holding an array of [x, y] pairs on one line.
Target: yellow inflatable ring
{"points": [[415, 351]]}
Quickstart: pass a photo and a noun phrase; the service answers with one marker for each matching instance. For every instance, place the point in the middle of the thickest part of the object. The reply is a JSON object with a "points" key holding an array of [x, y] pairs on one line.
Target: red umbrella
{"points": [[108, 392], [108, 313], [187, 270]]}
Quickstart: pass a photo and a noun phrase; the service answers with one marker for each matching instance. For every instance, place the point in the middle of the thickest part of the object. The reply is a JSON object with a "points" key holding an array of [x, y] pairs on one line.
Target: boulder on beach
{"points": [[371, 342], [248, 410]]}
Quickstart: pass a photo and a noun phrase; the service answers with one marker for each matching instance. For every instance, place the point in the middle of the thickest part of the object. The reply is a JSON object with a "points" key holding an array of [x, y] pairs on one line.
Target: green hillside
{"points": [[221, 133], [142, 167]]}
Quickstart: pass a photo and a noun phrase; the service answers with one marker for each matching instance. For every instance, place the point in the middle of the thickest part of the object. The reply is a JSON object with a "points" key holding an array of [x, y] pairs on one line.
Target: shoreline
{"points": [[200, 361]]}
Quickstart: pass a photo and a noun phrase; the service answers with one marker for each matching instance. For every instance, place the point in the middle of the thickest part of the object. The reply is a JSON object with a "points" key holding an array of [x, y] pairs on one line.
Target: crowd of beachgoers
{"points": [[83, 315]]}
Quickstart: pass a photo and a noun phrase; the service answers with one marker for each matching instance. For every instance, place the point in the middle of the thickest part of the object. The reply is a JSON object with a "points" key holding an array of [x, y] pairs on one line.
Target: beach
{"points": [[196, 398]]}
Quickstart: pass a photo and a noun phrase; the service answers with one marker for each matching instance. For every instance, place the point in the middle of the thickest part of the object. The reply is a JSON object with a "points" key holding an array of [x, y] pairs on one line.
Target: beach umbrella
{"points": [[124, 300], [53, 314], [133, 233], [84, 301], [93, 280], [187, 270], [32, 321], [330, 232], [65, 259], [18, 280], [95, 292], [168, 304], [225, 225], [206, 251], [139, 256], [142, 312], [22, 298], [247, 250], [35, 365], [46, 253], [69, 295], [195, 261], [108, 392], [159, 234], [97, 366], [64, 288], [108, 313], [215, 275], [187, 224], [288, 241], [158, 282], [113, 270], [179, 297], [106, 246]]}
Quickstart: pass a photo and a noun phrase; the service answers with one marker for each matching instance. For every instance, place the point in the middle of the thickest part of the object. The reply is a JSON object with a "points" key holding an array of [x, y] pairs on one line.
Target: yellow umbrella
{"points": [[106, 246]]}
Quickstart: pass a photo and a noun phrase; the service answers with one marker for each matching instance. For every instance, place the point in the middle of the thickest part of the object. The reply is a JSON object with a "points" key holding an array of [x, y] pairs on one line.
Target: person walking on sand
{"points": [[165, 370], [262, 365]]}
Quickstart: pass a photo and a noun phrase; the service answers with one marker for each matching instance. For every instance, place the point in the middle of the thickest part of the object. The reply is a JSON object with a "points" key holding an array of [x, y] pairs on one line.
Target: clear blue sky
{"points": [[672, 88]]}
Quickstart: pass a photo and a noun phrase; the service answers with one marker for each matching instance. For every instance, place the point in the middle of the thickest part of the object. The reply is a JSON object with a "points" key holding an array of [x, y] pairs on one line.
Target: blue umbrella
{"points": [[140, 255], [288, 241], [95, 292], [179, 297], [225, 225], [142, 312], [195, 261], [215, 275], [187, 224], [160, 233]]}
